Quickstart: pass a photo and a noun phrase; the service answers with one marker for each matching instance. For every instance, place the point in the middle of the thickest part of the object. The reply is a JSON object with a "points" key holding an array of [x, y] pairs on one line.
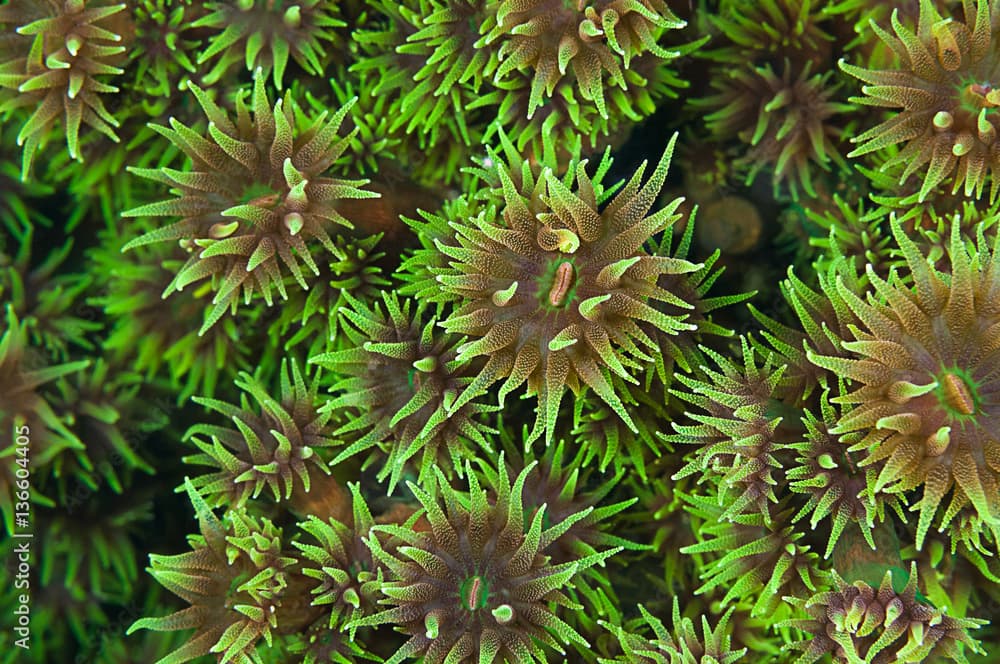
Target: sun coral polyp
{"points": [[235, 579], [253, 198], [69, 51], [598, 39], [923, 372], [395, 386], [277, 449], [785, 122], [859, 623], [265, 33], [947, 86], [558, 289], [476, 587]]}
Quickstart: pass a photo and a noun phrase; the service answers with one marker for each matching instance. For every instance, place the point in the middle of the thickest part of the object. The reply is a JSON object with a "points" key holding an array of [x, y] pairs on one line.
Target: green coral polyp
{"points": [[397, 389], [785, 120], [277, 449], [839, 489], [860, 623], [341, 565], [255, 195], [269, 31], [595, 300], [73, 50], [476, 586], [682, 646], [554, 37], [942, 87], [932, 430], [234, 578]]}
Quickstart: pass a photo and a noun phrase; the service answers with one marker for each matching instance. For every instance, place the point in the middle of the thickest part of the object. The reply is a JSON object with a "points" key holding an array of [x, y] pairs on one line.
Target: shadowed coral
{"points": [[949, 582], [103, 405], [419, 271], [19, 212], [59, 67], [26, 414], [252, 198], [943, 86], [692, 289], [103, 187], [163, 50], [563, 127], [47, 298], [87, 560], [476, 586], [374, 144], [659, 521], [606, 440], [111, 648], [321, 645], [787, 123], [558, 288], [772, 30], [130, 288], [857, 234], [922, 369], [424, 76], [931, 231], [823, 321]]}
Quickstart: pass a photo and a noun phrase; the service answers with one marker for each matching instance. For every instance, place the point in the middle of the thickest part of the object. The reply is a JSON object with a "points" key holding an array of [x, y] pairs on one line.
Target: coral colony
{"points": [[500, 331]]}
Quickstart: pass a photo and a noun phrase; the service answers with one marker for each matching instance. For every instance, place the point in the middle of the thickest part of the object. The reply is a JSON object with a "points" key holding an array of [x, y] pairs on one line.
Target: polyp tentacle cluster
{"points": [[945, 89], [924, 371], [255, 195], [73, 48], [556, 292]]}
